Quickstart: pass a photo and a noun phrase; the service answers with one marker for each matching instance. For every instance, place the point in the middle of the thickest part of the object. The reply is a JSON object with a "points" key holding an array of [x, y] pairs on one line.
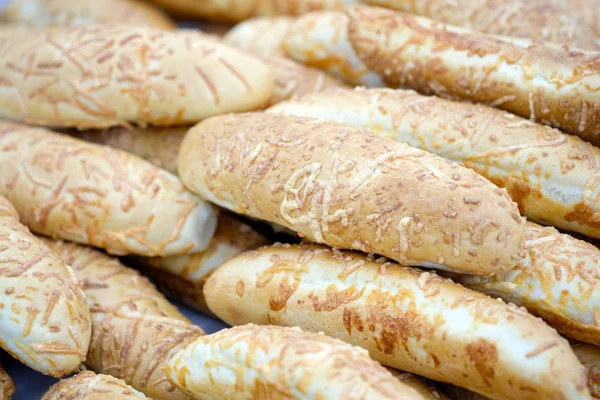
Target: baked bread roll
{"points": [[135, 328], [423, 386], [558, 280], [589, 356], [320, 40], [552, 176], [45, 322], [353, 189], [101, 76], [252, 362], [184, 276], [41, 13], [543, 82], [7, 385], [70, 189], [262, 36], [86, 385], [406, 318], [557, 21]]}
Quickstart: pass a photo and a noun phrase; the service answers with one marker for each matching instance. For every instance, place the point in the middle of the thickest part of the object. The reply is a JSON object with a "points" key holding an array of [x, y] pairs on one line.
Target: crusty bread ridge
{"points": [[86, 385]]}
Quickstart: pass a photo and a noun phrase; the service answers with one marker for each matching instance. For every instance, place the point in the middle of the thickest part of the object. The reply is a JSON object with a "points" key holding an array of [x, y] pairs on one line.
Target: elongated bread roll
{"points": [[184, 276], [549, 20], [424, 387], [86, 385], [589, 356], [135, 328], [545, 83], [7, 385], [70, 189], [353, 189], [320, 40], [553, 177], [262, 35], [41, 13], [260, 362], [559, 280], [45, 322], [406, 318], [101, 76]]}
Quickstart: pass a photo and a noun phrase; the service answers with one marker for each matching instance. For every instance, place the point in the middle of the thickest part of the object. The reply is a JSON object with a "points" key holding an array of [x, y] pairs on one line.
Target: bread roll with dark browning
{"points": [[406, 318], [549, 20], [184, 276], [263, 35], [546, 83], [41, 13], [86, 385], [7, 385], [353, 189], [553, 177], [135, 328], [100, 76], [44, 320], [320, 40], [79, 191], [260, 362], [589, 356]]}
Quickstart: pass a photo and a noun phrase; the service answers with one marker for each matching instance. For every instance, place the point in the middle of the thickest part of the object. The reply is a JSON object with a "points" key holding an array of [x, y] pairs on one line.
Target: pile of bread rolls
{"points": [[384, 199]]}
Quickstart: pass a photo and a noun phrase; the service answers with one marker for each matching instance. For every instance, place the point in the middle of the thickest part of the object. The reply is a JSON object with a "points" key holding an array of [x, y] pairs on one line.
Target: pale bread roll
{"points": [[259, 362], [548, 20], [554, 85], [320, 40], [41, 13], [45, 322], [559, 280], [406, 318], [353, 189], [79, 191], [553, 177], [7, 385], [589, 356], [184, 276], [421, 385], [98, 76], [86, 385], [262, 35], [135, 328]]}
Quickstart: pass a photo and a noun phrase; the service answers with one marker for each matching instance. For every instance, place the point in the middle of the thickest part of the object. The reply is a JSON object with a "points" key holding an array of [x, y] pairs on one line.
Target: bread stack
{"points": [[441, 184]]}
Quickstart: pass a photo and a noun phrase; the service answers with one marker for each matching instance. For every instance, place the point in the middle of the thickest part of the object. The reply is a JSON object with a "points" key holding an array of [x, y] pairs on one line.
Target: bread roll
{"points": [[135, 328], [406, 318], [86, 385], [549, 20], [238, 10], [424, 387], [589, 356], [353, 189], [263, 36], [546, 83], [559, 280], [101, 76], [552, 176], [320, 40], [184, 276], [7, 385], [70, 189], [260, 362], [45, 322], [41, 13]]}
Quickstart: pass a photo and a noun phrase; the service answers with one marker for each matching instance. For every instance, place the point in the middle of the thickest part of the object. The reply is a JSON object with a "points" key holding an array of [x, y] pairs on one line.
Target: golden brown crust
{"points": [[86, 385], [406, 318], [552, 176], [421, 385], [549, 84], [272, 362], [7, 385], [41, 13], [45, 322], [98, 76], [589, 356], [184, 276], [554, 21], [135, 328], [353, 189], [263, 35], [70, 189]]}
